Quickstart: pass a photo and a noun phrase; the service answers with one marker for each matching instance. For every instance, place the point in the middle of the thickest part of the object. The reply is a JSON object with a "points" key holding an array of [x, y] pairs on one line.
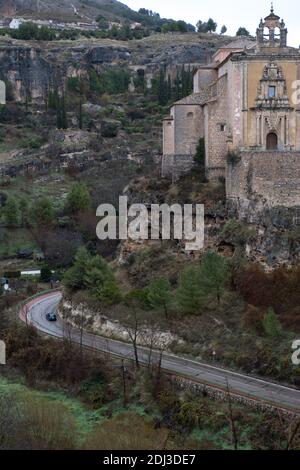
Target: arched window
{"points": [[190, 115], [277, 33], [266, 33], [272, 141]]}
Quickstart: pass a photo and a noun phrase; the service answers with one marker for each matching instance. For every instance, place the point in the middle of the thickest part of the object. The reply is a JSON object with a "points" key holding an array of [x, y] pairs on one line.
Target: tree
{"points": [[190, 296], [46, 274], [42, 212], [59, 245], [93, 273], [211, 25], [215, 275], [224, 29], [61, 113], [24, 211], [162, 91], [159, 295], [134, 301], [74, 277], [11, 212], [201, 27], [80, 115], [97, 271], [109, 293], [200, 153], [64, 119], [242, 32], [78, 199], [271, 324]]}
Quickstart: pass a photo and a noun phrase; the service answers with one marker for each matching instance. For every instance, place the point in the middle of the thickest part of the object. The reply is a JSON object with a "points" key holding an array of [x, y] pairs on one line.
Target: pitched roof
{"points": [[240, 43], [195, 98]]}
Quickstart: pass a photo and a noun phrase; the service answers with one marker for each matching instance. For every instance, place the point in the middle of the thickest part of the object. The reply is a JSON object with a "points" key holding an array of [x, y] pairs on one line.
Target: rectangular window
{"points": [[272, 91]]}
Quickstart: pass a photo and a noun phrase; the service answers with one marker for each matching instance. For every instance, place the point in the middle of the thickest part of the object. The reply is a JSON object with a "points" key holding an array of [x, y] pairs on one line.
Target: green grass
{"points": [[53, 185], [85, 418], [12, 240]]}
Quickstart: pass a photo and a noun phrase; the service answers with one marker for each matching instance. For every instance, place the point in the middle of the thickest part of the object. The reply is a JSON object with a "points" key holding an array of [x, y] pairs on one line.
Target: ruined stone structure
{"points": [[246, 106]]}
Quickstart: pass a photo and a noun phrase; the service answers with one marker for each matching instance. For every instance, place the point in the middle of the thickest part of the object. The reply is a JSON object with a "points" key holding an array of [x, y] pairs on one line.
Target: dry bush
{"points": [[279, 289], [33, 423], [48, 425], [252, 319], [48, 359], [127, 431]]}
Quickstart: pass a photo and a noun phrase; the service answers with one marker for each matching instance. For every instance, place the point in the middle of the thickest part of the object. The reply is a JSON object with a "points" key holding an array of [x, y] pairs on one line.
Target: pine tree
{"points": [[64, 120], [215, 275], [24, 211], [11, 212], [271, 324], [42, 212], [177, 92], [159, 295], [190, 294], [80, 117], [78, 199], [200, 153]]}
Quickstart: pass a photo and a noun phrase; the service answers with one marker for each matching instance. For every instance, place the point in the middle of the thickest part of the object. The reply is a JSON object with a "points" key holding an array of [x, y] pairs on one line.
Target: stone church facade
{"points": [[245, 106]]}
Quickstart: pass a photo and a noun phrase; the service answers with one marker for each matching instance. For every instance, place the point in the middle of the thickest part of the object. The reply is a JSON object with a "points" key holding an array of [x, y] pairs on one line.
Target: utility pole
{"points": [[124, 384]]}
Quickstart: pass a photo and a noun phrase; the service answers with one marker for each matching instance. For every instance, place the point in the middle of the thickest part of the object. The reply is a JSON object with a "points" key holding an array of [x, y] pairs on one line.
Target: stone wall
{"points": [[273, 177], [203, 79], [181, 134], [188, 128], [168, 136], [216, 124], [173, 166]]}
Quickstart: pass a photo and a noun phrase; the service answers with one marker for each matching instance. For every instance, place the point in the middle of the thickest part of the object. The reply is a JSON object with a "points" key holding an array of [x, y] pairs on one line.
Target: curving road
{"points": [[239, 384]]}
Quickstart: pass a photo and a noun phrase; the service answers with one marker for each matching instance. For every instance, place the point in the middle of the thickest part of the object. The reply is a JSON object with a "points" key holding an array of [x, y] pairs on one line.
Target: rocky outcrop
{"points": [[96, 322], [33, 68], [59, 9], [277, 239], [32, 71], [9, 8]]}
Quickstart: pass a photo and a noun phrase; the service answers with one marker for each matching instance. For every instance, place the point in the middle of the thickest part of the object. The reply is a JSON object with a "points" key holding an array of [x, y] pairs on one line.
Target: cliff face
{"points": [[27, 71], [33, 67], [9, 8], [32, 71], [63, 9]]}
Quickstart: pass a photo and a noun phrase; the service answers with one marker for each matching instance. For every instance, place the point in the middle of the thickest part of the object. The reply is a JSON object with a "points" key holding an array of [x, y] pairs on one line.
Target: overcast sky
{"points": [[232, 13]]}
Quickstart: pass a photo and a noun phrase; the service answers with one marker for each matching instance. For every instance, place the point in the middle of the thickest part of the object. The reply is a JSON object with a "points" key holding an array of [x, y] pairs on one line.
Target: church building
{"points": [[246, 107]]}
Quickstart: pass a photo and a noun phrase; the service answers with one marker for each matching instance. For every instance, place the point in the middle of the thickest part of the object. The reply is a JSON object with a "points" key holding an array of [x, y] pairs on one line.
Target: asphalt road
{"points": [[239, 384]]}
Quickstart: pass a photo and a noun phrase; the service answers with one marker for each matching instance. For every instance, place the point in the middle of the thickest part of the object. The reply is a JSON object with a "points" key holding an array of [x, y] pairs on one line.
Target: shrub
{"points": [[233, 158], [271, 324], [109, 129], [237, 232], [78, 199]]}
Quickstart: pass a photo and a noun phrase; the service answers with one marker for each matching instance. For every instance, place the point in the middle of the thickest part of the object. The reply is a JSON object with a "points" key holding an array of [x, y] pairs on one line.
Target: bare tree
{"points": [[158, 374], [133, 301], [291, 427], [124, 384], [9, 415], [67, 333], [133, 331], [231, 419]]}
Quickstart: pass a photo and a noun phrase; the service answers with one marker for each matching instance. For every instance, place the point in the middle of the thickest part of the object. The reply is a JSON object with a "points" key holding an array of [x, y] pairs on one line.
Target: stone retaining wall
{"points": [[271, 176]]}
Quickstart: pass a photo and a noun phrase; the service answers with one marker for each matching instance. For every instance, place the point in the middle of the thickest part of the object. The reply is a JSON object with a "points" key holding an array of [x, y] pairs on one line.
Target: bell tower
{"points": [[272, 32]]}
